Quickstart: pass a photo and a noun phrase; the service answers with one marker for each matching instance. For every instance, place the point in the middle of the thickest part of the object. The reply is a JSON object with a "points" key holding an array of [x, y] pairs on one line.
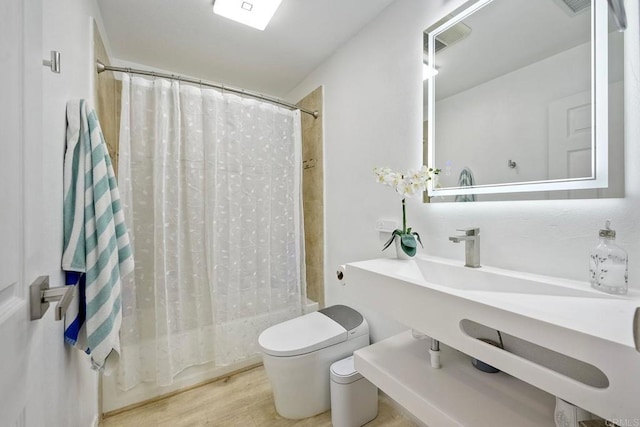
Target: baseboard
{"points": [[182, 389]]}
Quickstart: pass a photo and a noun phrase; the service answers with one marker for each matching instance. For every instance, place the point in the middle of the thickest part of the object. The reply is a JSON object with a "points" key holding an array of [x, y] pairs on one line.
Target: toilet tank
{"points": [[348, 318]]}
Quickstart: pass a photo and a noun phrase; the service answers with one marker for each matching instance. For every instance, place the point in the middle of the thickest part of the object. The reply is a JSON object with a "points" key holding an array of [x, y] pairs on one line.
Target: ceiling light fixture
{"points": [[254, 13]]}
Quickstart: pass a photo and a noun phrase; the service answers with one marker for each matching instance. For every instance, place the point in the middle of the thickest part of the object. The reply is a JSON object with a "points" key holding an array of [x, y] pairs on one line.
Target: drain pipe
{"points": [[434, 353], [434, 349]]}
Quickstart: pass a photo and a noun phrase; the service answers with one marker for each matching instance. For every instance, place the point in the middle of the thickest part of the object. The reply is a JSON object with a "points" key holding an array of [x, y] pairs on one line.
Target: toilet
{"points": [[298, 353]]}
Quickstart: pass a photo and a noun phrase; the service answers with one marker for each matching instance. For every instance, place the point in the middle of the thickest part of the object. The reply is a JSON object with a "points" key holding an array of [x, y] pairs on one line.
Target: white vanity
{"points": [[441, 297]]}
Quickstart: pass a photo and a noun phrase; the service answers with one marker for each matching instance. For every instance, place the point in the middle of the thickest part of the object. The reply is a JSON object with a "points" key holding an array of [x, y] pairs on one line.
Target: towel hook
{"points": [[512, 164], [54, 62]]}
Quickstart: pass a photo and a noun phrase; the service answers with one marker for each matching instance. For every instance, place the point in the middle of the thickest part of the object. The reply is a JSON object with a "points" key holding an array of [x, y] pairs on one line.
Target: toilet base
{"points": [[301, 386]]}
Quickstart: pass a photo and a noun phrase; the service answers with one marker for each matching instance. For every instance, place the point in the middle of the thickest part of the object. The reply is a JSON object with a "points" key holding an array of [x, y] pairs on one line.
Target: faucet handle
{"points": [[471, 231]]}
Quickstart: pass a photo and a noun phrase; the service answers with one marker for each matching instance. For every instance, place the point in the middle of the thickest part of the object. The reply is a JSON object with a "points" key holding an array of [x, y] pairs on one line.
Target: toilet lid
{"points": [[301, 335]]}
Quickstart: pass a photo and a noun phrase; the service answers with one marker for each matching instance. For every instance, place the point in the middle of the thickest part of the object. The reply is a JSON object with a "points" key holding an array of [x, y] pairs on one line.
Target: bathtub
{"points": [[114, 399]]}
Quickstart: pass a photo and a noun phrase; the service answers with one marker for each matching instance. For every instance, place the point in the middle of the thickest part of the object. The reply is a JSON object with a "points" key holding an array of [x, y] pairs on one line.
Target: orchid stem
{"points": [[404, 218]]}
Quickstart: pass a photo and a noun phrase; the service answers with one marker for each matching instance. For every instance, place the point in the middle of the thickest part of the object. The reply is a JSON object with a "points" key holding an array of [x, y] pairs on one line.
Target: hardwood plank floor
{"points": [[242, 400]]}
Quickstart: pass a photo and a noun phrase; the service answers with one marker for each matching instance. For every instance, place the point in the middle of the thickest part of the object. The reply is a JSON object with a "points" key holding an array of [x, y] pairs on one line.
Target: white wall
{"points": [[63, 390], [373, 117]]}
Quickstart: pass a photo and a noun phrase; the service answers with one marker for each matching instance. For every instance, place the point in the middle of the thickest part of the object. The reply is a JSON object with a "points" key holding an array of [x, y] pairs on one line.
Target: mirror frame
{"points": [[599, 111]]}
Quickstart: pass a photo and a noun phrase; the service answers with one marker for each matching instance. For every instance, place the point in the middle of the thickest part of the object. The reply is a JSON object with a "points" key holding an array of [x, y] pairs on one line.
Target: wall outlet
{"points": [[386, 225]]}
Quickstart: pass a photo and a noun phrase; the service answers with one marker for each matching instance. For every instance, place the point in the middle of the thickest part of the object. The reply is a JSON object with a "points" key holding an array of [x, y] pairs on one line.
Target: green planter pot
{"points": [[406, 246]]}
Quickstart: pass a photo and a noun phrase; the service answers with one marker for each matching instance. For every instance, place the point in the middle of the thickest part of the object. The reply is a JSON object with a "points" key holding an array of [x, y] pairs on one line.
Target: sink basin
{"points": [[571, 304], [448, 273]]}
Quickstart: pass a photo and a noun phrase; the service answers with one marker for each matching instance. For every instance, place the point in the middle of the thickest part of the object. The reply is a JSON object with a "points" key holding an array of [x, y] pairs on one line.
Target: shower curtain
{"points": [[211, 187]]}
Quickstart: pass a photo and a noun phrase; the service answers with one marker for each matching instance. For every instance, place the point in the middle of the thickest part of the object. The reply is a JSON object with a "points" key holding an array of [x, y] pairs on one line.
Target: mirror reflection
{"points": [[513, 99]]}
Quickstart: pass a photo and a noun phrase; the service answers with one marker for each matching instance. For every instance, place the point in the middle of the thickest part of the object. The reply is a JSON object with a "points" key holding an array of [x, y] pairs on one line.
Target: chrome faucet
{"points": [[471, 239]]}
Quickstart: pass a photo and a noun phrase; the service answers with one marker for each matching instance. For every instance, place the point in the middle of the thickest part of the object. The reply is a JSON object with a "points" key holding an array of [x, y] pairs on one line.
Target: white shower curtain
{"points": [[211, 187]]}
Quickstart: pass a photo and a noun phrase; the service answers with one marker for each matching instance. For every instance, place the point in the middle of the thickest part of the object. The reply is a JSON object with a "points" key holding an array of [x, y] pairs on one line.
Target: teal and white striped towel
{"points": [[96, 241], [466, 179]]}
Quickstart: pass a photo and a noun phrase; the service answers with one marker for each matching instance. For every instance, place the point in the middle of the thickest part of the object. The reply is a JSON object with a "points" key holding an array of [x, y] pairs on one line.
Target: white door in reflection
{"points": [[570, 138]]}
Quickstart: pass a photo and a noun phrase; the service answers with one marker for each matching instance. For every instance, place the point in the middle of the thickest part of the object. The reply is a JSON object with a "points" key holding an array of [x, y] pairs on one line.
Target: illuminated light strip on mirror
{"points": [[428, 71], [256, 14], [599, 112]]}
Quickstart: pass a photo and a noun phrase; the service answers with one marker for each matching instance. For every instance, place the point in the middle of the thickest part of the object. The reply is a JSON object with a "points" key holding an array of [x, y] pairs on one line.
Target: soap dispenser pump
{"points": [[608, 264]]}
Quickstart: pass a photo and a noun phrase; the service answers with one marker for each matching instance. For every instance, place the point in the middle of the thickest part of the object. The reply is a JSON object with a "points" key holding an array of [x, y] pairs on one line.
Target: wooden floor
{"points": [[242, 400]]}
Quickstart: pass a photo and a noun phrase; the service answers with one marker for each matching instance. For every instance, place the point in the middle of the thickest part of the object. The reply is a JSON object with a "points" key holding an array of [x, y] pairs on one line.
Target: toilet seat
{"points": [[301, 335]]}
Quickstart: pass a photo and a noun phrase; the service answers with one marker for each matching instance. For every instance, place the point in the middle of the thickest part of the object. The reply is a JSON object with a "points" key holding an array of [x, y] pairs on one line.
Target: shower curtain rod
{"points": [[101, 67]]}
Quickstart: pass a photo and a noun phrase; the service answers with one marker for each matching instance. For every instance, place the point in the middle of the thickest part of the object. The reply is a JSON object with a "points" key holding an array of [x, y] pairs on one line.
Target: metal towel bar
{"points": [[41, 295]]}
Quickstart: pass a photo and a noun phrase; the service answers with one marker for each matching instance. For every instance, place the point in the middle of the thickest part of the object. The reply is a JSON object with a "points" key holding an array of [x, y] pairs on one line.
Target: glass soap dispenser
{"points": [[608, 264]]}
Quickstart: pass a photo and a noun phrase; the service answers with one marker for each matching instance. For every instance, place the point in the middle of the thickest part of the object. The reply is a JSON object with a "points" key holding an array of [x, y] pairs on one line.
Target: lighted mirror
{"points": [[524, 100]]}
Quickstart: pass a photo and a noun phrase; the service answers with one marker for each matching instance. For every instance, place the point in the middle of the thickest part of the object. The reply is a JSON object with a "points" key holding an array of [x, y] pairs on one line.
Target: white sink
{"points": [[572, 304], [436, 295], [448, 273]]}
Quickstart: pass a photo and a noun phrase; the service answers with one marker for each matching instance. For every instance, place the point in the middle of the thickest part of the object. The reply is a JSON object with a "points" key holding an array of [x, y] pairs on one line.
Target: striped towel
{"points": [[96, 242], [466, 180]]}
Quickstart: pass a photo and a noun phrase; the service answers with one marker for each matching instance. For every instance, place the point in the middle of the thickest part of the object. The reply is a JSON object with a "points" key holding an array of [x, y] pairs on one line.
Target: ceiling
{"points": [[185, 37]]}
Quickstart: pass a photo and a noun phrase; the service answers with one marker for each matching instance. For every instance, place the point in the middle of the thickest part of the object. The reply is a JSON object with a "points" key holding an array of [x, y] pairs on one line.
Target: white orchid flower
{"points": [[406, 184]]}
